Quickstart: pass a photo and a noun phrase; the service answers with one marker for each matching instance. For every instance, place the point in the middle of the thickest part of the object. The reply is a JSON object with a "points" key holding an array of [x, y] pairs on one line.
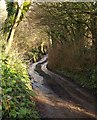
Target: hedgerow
{"points": [[16, 89]]}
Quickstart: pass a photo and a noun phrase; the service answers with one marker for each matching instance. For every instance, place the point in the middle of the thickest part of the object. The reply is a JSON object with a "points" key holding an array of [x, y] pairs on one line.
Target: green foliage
{"points": [[26, 6], [35, 54], [68, 22], [11, 9], [88, 80], [73, 33], [16, 89]]}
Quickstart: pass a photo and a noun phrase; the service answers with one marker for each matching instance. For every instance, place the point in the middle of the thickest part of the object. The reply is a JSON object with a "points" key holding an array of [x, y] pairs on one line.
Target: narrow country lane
{"points": [[58, 97]]}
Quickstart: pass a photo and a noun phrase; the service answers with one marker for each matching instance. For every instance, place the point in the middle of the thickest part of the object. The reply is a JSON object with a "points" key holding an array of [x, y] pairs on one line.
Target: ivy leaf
{"points": [[9, 90], [13, 81], [23, 111], [13, 113]]}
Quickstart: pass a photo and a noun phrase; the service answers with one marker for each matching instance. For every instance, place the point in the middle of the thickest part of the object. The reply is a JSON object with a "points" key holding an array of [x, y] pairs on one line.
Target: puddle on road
{"points": [[37, 80]]}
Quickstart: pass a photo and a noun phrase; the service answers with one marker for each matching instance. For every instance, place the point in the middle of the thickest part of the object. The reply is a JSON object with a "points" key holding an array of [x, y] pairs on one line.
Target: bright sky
{"points": [[3, 12], [2, 4]]}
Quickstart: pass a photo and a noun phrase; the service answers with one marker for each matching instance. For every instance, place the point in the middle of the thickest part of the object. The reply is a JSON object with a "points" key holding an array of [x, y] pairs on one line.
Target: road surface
{"points": [[58, 97]]}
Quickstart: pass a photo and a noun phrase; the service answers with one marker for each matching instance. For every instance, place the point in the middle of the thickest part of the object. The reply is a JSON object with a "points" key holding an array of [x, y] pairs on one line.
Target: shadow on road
{"points": [[58, 98]]}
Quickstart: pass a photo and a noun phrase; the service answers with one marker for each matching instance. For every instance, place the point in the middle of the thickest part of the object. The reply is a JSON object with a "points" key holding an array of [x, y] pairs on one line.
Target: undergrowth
{"points": [[16, 89], [88, 80], [35, 54]]}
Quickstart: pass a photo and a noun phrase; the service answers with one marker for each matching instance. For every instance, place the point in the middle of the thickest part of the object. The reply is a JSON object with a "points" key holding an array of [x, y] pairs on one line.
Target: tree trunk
{"points": [[94, 34], [12, 31]]}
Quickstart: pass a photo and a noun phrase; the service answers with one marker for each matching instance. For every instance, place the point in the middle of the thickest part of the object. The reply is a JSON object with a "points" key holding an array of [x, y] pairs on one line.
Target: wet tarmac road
{"points": [[58, 97]]}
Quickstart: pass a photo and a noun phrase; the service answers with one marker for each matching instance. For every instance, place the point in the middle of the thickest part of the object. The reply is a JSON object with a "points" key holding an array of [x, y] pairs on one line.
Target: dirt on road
{"points": [[58, 97]]}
